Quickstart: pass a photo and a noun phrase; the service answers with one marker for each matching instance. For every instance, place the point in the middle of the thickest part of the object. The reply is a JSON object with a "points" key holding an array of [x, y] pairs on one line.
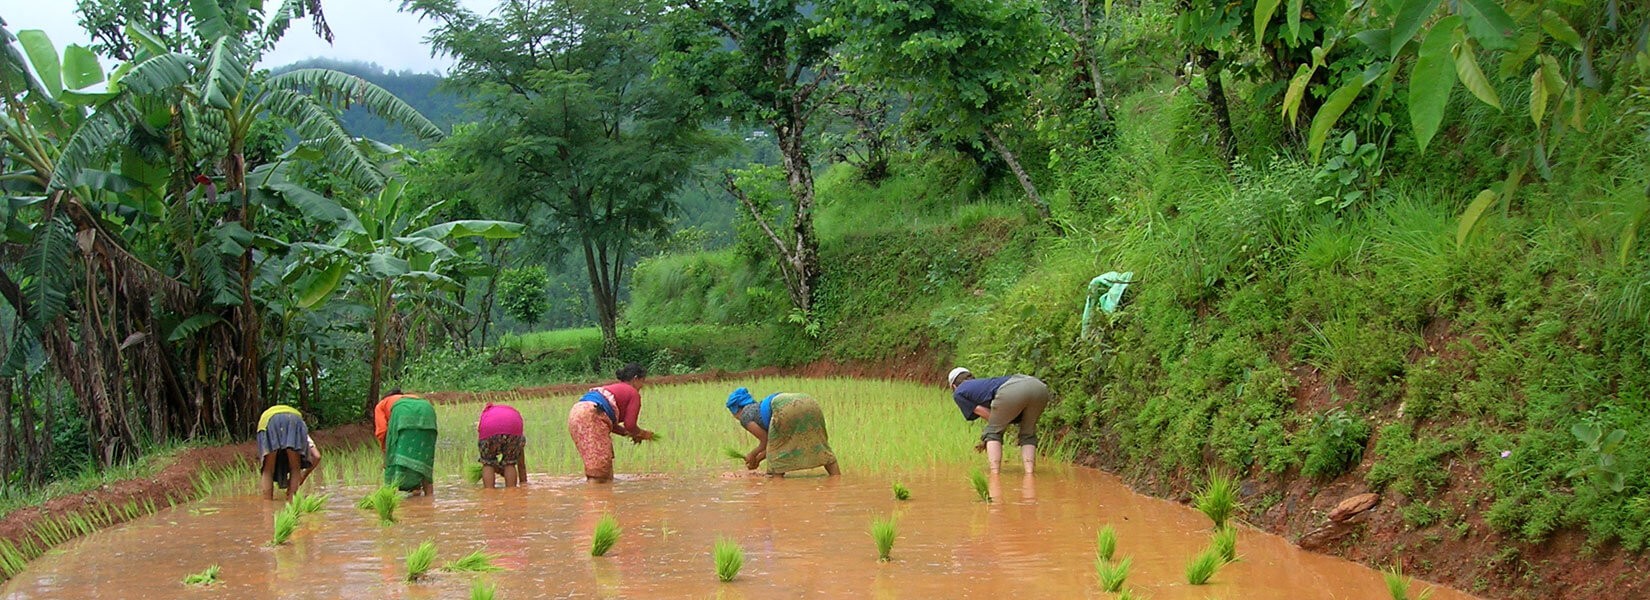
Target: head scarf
{"points": [[739, 399]]}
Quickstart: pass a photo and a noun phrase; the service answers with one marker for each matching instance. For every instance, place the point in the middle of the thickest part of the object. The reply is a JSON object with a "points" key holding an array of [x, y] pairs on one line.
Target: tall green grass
{"points": [[1218, 498], [606, 534], [1112, 574], [207, 577], [1397, 585], [884, 532], [729, 559], [475, 562], [1105, 542], [420, 560], [982, 486], [1203, 566]]}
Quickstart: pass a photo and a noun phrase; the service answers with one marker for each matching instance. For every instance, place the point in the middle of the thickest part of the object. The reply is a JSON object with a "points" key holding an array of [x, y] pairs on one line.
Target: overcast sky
{"points": [[365, 30]]}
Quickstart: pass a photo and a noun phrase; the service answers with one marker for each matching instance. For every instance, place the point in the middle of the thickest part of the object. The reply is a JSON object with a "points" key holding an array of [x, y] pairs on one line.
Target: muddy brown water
{"points": [[803, 538]]}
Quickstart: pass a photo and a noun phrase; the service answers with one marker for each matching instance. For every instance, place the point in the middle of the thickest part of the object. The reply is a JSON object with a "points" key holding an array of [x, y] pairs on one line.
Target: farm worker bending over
{"points": [[789, 429], [285, 451], [409, 451], [500, 439], [1018, 399], [612, 408], [381, 416]]}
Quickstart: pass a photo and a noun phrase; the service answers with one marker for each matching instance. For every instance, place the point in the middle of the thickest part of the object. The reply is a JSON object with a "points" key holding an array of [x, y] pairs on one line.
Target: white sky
{"points": [[364, 30]]}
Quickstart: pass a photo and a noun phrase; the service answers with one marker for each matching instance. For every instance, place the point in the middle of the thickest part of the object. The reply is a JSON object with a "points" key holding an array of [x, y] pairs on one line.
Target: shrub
{"points": [[1334, 444]]}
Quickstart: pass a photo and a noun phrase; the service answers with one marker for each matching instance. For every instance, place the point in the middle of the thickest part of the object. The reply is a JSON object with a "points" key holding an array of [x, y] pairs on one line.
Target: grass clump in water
{"points": [[1112, 574], [306, 504], [420, 560], [607, 534], [1203, 566], [384, 500], [884, 532], [207, 577], [472, 473], [982, 486], [901, 492], [729, 559], [286, 522], [1218, 499], [1397, 584], [481, 590], [1106, 542], [1224, 543], [475, 562]]}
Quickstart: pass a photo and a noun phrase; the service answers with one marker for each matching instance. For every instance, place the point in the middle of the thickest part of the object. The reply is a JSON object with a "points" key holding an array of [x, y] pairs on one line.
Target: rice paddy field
{"points": [[684, 520]]}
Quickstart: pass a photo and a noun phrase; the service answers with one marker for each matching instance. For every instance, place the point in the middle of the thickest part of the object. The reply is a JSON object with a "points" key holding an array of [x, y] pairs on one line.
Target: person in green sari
{"points": [[409, 450], [789, 429]]}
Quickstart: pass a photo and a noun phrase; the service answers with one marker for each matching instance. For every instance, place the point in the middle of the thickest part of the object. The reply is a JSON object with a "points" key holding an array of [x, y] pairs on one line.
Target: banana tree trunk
{"points": [[380, 333]]}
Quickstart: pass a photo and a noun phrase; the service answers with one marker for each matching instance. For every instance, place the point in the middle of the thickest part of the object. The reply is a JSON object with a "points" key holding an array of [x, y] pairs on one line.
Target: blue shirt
{"points": [[977, 392]]}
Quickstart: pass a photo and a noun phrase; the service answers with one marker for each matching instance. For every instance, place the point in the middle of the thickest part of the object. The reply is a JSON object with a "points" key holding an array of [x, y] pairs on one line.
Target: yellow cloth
{"points": [[263, 421]]}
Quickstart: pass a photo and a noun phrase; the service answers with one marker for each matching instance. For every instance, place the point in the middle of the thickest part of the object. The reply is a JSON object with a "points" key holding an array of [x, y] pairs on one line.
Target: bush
{"points": [[1334, 444]]}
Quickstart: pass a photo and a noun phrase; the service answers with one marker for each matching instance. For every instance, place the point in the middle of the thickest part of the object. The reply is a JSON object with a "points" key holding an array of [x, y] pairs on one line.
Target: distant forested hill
{"points": [[421, 90]]}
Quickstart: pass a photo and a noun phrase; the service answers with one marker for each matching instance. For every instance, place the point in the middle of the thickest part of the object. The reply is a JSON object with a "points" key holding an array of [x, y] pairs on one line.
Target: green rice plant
{"points": [[606, 534], [1203, 566], [1397, 584], [1106, 542], [472, 473], [207, 577], [384, 501], [1218, 498], [11, 560], [481, 590], [1112, 574], [419, 561], [475, 562], [982, 486], [286, 522], [305, 504], [1127, 594], [1225, 543], [884, 532], [729, 559], [733, 453], [901, 492]]}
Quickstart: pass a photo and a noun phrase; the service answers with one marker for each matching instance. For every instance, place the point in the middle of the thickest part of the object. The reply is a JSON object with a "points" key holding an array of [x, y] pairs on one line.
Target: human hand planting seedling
{"points": [[789, 429]]}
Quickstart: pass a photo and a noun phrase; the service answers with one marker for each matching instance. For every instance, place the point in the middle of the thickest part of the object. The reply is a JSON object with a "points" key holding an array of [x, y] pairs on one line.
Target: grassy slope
{"points": [[1285, 340]]}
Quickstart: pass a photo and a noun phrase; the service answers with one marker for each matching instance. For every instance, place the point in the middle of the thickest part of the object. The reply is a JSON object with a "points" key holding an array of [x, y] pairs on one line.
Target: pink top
{"points": [[627, 402], [498, 419]]}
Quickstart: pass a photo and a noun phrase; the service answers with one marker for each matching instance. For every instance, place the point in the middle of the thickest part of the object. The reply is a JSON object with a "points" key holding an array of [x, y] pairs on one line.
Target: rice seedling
{"points": [[419, 561], [1218, 498], [1106, 542], [901, 492], [11, 560], [729, 559], [1397, 584], [884, 532], [472, 473], [982, 486], [1127, 594], [606, 534], [207, 577], [1225, 543], [475, 562], [1112, 574], [384, 501], [1203, 566], [481, 590], [733, 453], [286, 522], [305, 504]]}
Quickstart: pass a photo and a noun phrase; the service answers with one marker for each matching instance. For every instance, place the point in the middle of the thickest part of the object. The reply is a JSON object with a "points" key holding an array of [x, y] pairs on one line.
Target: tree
{"points": [[576, 136], [765, 63], [968, 63], [525, 293]]}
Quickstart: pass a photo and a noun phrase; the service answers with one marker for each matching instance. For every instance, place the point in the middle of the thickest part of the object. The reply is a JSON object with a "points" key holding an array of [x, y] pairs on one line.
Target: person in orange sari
{"points": [[381, 417], [605, 411]]}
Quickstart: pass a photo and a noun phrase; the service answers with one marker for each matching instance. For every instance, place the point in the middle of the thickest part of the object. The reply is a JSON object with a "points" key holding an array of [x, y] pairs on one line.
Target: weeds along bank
{"points": [[1316, 351]]}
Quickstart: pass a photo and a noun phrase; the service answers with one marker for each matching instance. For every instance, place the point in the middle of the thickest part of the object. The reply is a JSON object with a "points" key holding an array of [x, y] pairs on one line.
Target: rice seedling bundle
{"points": [[1218, 499], [901, 492], [1397, 585], [475, 562], [729, 559], [419, 561], [982, 486], [286, 522], [481, 590], [1225, 543], [1203, 566], [883, 531], [1105, 542], [606, 534], [1112, 574], [207, 577], [305, 504], [472, 473]]}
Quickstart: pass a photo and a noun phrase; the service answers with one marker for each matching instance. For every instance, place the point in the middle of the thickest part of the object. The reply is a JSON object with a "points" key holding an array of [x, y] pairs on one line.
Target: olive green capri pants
{"points": [[1021, 401]]}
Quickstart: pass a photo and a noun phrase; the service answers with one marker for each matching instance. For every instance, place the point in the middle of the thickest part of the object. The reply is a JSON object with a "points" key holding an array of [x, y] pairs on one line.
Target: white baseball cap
{"points": [[952, 378]]}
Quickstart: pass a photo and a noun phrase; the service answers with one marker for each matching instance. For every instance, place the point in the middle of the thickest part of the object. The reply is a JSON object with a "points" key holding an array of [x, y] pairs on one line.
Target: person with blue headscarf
{"points": [[789, 430]]}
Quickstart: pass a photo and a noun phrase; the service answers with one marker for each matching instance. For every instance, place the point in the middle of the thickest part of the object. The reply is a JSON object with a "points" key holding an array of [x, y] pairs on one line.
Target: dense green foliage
{"points": [[422, 91]]}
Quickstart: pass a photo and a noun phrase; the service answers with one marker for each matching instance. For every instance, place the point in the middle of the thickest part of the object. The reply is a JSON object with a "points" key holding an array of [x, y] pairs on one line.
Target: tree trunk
{"points": [[1024, 177], [607, 316], [1212, 72], [799, 177], [8, 441], [1091, 56]]}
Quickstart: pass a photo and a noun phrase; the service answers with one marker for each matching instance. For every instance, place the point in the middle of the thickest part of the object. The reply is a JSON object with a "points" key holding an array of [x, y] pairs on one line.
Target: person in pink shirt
{"points": [[502, 445], [605, 411]]}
